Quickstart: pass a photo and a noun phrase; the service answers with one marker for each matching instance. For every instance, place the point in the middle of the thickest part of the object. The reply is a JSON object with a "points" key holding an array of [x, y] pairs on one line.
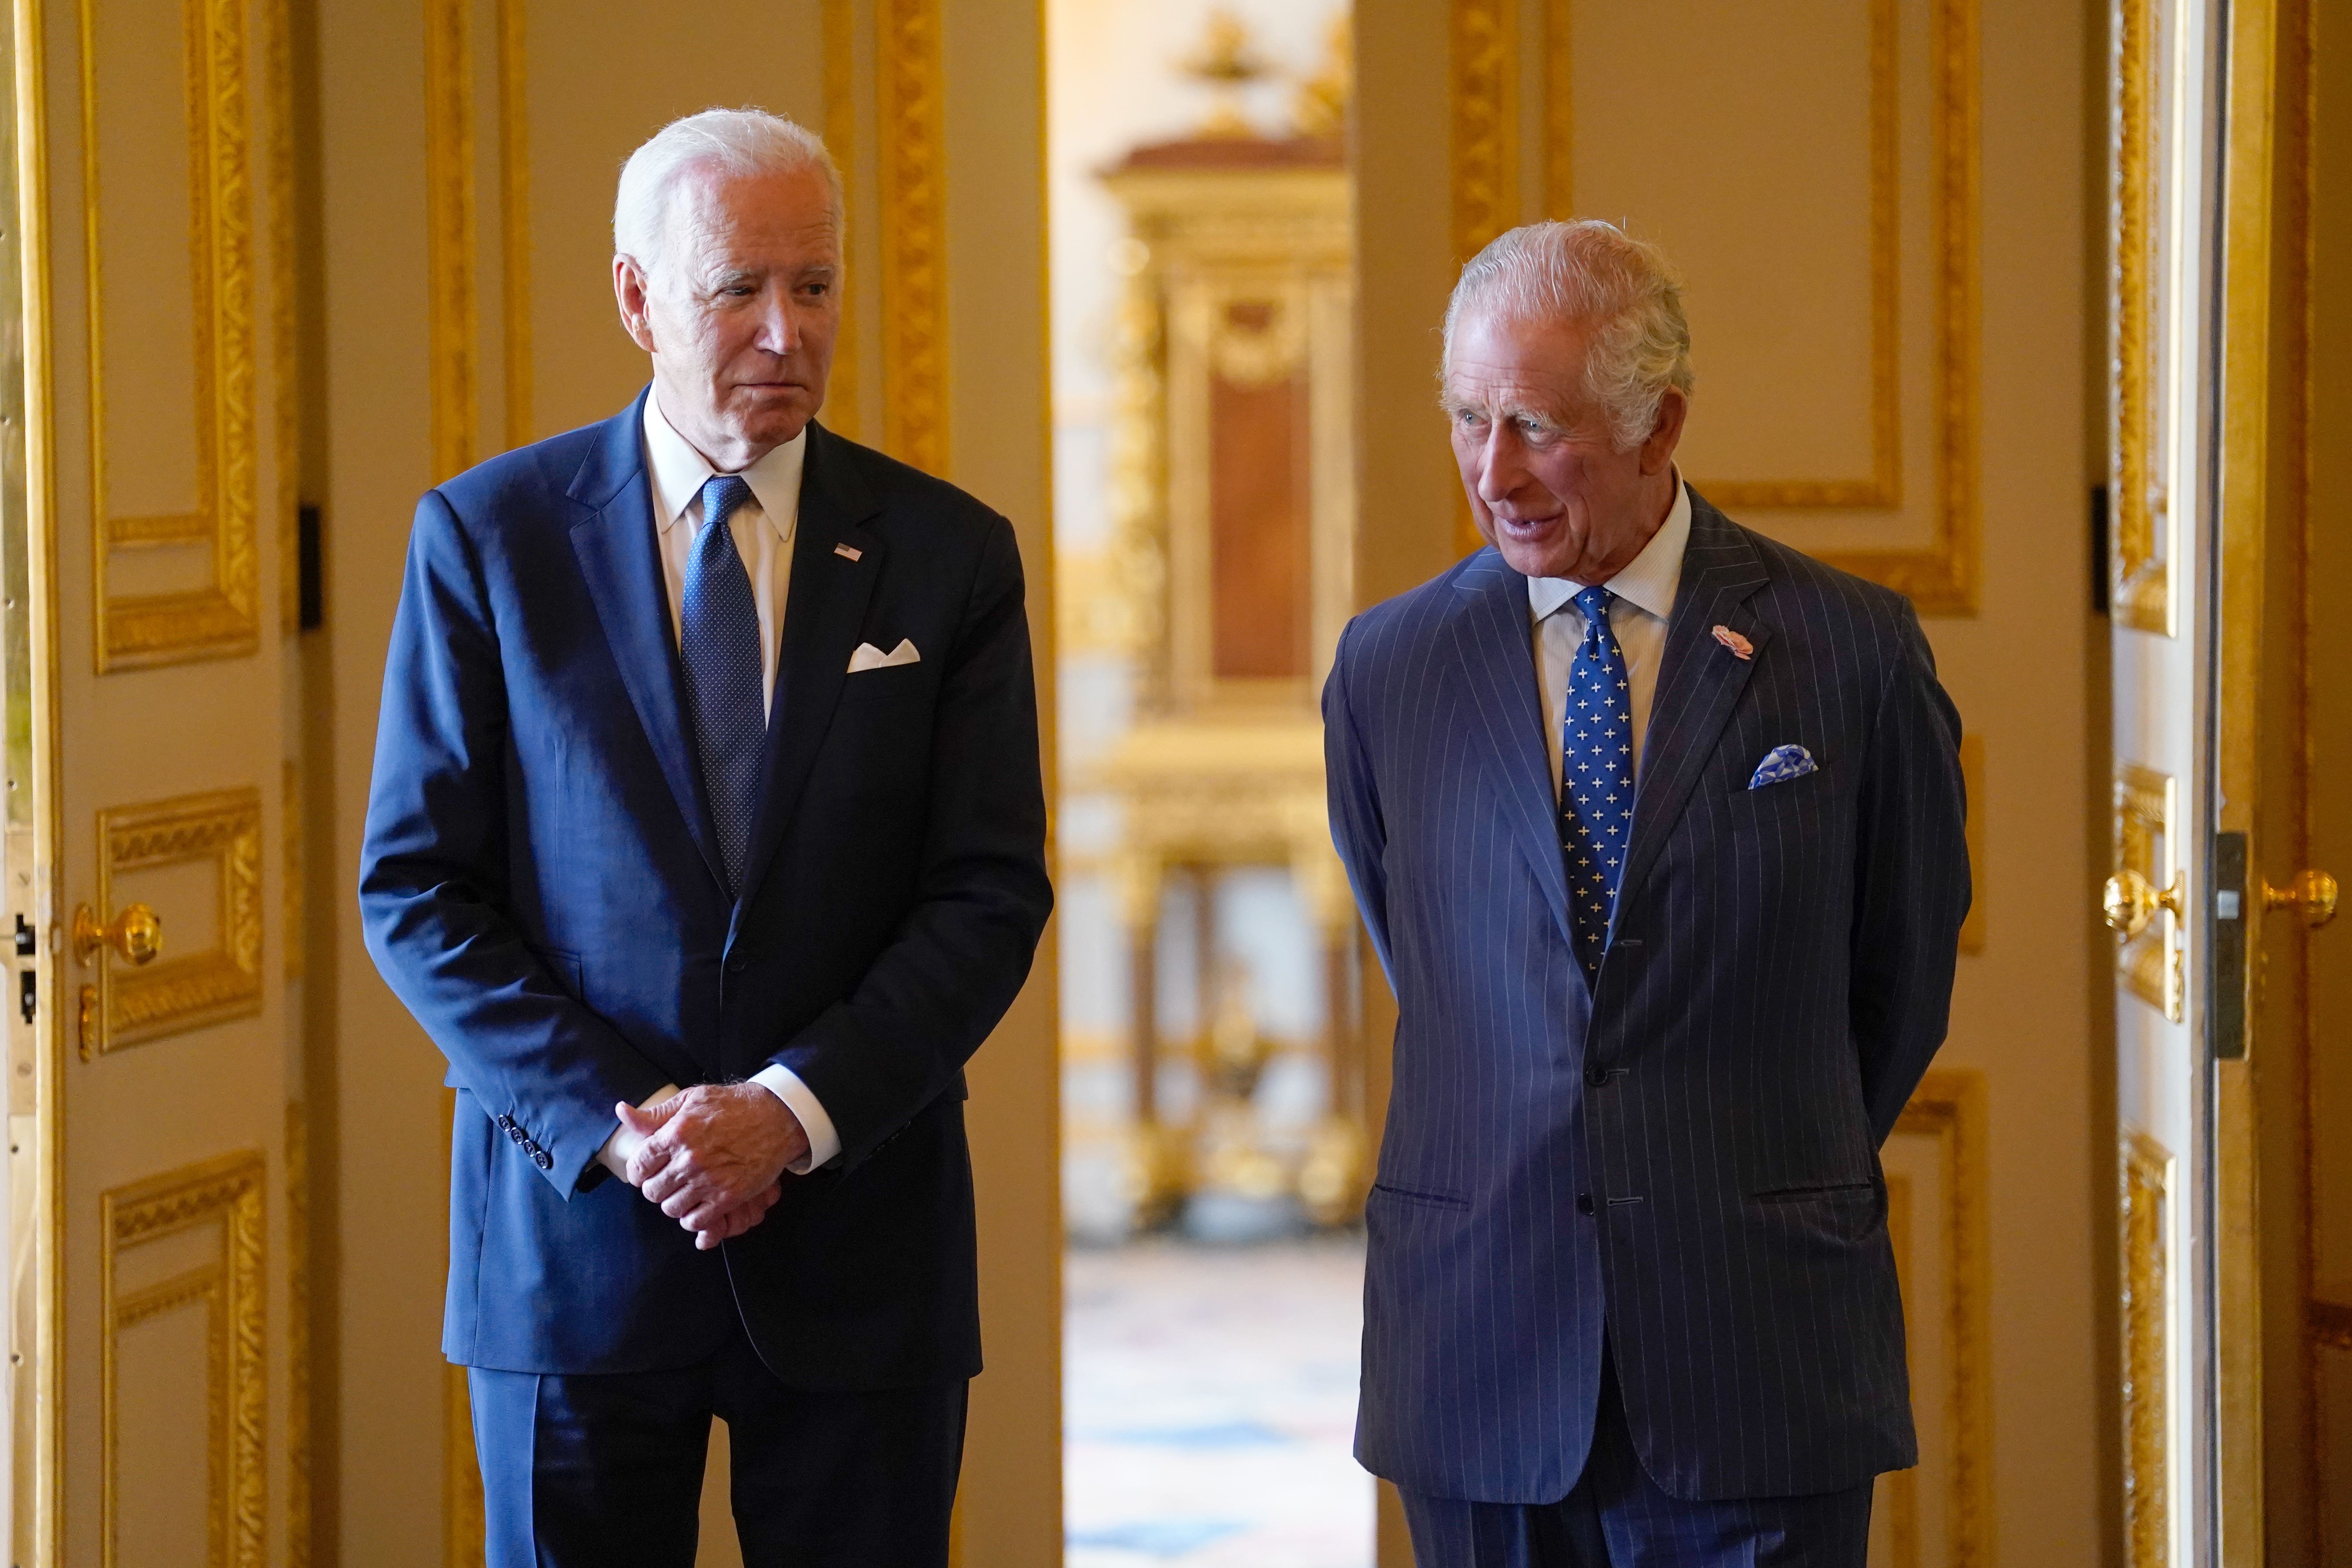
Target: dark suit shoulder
{"points": [[1404, 618], [1790, 565], [904, 494], [529, 477]]}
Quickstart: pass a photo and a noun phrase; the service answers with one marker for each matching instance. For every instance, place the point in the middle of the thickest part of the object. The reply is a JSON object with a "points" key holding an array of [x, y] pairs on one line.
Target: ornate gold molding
{"points": [[278, 181], [914, 233], [841, 410], [1950, 1107], [1882, 490], [2141, 564], [1899, 1489], [2145, 1188], [1941, 580], [221, 620], [1484, 83], [1559, 110], [2146, 808], [450, 237], [232, 1289], [184, 991], [514, 217], [297, 1336]]}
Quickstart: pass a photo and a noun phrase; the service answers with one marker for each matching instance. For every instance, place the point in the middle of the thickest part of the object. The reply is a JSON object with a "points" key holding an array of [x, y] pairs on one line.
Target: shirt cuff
{"points": [[612, 1156], [823, 1143]]}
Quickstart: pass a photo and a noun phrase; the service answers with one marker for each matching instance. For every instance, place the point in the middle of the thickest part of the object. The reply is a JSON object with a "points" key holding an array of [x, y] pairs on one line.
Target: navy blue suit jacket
{"points": [[540, 885], [1684, 1153]]}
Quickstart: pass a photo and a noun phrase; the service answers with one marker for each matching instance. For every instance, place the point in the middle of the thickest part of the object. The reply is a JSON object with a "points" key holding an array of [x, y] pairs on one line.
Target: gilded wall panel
{"points": [[1937, 1197], [2146, 1191], [168, 234], [1836, 257], [214, 1212], [220, 835]]}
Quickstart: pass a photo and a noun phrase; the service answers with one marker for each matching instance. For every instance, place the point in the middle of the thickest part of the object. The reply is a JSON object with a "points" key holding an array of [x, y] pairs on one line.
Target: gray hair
{"points": [[1590, 271], [729, 142]]}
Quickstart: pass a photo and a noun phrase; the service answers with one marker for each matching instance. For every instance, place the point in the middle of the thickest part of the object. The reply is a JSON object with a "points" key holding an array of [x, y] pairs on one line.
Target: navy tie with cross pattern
{"points": [[1596, 779], [719, 643]]}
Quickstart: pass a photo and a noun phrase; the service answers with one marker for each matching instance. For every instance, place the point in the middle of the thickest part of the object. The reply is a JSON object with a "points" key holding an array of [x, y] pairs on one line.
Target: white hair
{"points": [[1590, 272], [731, 142]]}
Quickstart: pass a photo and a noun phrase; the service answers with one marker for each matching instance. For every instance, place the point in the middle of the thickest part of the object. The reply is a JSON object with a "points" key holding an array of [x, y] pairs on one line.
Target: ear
{"points": [[630, 292], [1667, 433]]}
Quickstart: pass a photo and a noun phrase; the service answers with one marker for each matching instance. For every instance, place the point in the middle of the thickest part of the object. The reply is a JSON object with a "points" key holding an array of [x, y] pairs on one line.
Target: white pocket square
{"points": [[868, 657]]}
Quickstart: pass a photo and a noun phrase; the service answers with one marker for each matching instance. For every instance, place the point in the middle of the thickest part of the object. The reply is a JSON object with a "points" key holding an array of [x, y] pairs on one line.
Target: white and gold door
{"points": [[148, 514]]}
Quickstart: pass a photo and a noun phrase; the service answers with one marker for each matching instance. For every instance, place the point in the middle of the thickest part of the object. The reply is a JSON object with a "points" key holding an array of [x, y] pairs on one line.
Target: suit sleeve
{"points": [[898, 1041], [1912, 888], [434, 890], [1358, 830]]}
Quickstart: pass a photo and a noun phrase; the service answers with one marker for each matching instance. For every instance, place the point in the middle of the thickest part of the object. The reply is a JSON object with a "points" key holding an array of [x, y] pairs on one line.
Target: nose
{"points": [[779, 327], [1501, 464]]}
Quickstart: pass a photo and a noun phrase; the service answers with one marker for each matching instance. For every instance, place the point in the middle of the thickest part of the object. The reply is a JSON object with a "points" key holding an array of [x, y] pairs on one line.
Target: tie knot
{"points": [[1594, 603], [721, 494]]}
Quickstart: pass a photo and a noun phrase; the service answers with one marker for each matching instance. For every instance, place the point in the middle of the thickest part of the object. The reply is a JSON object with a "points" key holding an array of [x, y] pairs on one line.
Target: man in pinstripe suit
{"points": [[1630, 1298]]}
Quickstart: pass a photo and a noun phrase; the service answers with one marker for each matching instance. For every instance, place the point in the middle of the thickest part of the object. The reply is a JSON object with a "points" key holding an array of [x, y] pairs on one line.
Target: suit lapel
{"points": [[823, 612], [618, 557], [1699, 680], [1496, 652]]}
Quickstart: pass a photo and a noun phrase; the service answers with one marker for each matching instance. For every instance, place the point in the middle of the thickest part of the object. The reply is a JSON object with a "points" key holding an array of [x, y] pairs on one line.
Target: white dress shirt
{"points": [[762, 527], [1645, 602]]}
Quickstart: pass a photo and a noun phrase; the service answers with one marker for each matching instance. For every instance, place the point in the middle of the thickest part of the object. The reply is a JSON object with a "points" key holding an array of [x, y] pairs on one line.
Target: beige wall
{"points": [[2008, 1285], [589, 81]]}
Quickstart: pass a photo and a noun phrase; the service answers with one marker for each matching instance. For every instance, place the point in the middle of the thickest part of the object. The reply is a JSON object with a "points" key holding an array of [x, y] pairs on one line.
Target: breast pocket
{"points": [[1800, 804]]}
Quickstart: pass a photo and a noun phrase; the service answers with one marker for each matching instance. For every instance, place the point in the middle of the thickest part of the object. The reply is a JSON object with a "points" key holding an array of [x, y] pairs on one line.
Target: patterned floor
{"points": [[1210, 1404]]}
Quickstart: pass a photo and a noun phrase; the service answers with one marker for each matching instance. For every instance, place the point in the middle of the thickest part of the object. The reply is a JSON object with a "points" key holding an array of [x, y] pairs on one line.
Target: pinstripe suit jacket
{"points": [[1777, 978]]}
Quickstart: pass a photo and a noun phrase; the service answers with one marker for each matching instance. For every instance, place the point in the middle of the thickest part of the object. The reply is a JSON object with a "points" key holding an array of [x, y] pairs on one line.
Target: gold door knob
{"points": [[2131, 902], [2313, 892], [134, 933]]}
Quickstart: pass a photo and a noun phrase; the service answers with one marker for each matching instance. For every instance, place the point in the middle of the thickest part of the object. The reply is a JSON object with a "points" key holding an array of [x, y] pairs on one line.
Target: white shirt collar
{"points": [[679, 473], [1648, 582]]}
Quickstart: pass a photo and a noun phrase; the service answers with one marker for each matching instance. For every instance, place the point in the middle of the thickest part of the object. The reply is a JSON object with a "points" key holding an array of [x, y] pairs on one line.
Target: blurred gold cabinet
{"points": [[1234, 507]]}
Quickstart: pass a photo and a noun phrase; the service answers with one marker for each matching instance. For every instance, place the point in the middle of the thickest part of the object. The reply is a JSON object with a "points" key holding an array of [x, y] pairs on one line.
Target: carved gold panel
{"points": [[2152, 963], [145, 1279], [913, 232], [182, 990], [2146, 1190], [2140, 566], [1939, 1153], [1914, 142], [176, 561]]}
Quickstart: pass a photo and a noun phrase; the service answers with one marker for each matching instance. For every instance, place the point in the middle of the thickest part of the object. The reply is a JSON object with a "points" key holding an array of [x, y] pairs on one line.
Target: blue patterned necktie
{"points": [[718, 642], [1596, 774]]}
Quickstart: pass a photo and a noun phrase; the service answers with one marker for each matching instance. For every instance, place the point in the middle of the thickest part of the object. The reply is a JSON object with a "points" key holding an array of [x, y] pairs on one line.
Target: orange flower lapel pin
{"points": [[1739, 646]]}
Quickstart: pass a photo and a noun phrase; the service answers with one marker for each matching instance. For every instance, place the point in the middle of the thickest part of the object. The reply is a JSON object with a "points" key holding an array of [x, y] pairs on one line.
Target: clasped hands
{"points": [[712, 1156]]}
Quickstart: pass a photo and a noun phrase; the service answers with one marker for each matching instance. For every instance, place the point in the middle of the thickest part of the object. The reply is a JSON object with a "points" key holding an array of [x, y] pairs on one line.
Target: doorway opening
{"points": [[1216, 1146]]}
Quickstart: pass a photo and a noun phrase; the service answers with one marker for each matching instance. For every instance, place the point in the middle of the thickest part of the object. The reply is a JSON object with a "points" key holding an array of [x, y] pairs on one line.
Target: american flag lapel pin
{"points": [[1739, 646], [847, 553]]}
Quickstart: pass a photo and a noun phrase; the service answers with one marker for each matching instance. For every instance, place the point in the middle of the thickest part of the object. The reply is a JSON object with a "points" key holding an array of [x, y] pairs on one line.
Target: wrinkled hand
{"points": [[713, 1157]]}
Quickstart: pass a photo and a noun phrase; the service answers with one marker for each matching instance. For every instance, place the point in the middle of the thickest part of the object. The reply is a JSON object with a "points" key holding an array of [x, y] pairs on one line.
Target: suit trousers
{"points": [[1617, 1517], [605, 1471]]}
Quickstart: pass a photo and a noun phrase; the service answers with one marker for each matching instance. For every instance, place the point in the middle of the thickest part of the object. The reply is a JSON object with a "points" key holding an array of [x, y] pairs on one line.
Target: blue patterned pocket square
{"points": [[1782, 763]]}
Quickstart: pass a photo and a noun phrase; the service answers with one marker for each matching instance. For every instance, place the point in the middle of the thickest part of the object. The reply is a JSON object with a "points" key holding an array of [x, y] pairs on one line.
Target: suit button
{"points": [[542, 1158], [504, 1121], [1597, 1076], [1584, 1203], [735, 964], [516, 1134]]}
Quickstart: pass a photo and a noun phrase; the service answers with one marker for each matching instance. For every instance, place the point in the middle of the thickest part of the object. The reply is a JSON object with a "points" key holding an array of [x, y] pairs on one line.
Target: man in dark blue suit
{"points": [[707, 839], [1656, 826]]}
